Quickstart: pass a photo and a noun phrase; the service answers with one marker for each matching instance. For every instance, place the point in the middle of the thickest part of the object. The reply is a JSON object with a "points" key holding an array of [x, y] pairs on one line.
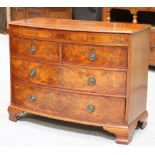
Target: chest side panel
{"points": [[138, 74]]}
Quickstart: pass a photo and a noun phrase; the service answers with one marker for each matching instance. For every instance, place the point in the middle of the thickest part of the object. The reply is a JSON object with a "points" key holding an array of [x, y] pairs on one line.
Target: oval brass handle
{"points": [[91, 108], [32, 73], [33, 98], [32, 50], [91, 81], [120, 39], [92, 56]]}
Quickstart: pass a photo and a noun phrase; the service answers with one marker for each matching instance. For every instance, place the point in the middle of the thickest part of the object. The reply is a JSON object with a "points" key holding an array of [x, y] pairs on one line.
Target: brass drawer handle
{"points": [[91, 108], [92, 56], [32, 50], [32, 73], [120, 39], [91, 81], [33, 98]]}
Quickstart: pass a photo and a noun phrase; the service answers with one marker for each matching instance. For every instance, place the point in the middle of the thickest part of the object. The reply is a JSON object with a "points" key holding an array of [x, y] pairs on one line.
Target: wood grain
{"points": [[48, 51], [107, 82], [81, 25], [64, 84], [69, 36], [106, 56], [137, 89], [67, 105], [18, 13]]}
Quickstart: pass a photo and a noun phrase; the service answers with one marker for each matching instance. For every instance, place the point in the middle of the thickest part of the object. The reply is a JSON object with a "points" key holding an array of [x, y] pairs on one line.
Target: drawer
{"points": [[70, 36], [103, 56], [31, 48], [82, 79], [69, 106]]}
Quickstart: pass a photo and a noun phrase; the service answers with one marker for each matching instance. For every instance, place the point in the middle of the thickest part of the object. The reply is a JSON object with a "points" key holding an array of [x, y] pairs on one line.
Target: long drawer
{"points": [[76, 78], [70, 106]]}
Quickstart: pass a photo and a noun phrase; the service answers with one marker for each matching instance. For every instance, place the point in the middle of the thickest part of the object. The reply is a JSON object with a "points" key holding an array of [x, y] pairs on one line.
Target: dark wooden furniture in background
{"points": [[3, 20], [134, 11], [18, 13], [86, 72], [87, 13]]}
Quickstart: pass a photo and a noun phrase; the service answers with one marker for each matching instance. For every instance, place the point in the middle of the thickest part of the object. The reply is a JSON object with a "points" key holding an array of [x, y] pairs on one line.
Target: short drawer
{"points": [[75, 78], [69, 106], [70, 36], [31, 48], [102, 56]]}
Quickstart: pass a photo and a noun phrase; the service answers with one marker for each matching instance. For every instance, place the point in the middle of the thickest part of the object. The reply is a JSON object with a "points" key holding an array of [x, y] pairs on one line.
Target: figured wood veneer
{"points": [[108, 57], [81, 37], [46, 50], [91, 73], [66, 105], [107, 82]]}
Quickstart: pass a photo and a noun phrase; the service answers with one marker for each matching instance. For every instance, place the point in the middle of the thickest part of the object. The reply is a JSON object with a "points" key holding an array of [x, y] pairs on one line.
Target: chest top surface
{"points": [[81, 25]]}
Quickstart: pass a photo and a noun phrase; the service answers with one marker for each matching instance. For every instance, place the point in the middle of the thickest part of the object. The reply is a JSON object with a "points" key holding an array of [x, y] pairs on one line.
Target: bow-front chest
{"points": [[87, 72]]}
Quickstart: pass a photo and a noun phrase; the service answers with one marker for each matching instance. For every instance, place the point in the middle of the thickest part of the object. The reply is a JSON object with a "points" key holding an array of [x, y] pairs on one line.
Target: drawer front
{"points": [[70, 36], [103, 56], [69, 106], [98, 81], [43, 50]]}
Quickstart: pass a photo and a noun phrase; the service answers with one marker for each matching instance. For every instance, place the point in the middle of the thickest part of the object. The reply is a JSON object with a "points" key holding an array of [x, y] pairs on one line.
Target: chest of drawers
{"points": [[92, 73]]}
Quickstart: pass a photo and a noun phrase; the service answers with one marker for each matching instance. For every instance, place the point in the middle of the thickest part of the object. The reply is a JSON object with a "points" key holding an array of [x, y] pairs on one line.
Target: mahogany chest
{"points": [[86, 72]]}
